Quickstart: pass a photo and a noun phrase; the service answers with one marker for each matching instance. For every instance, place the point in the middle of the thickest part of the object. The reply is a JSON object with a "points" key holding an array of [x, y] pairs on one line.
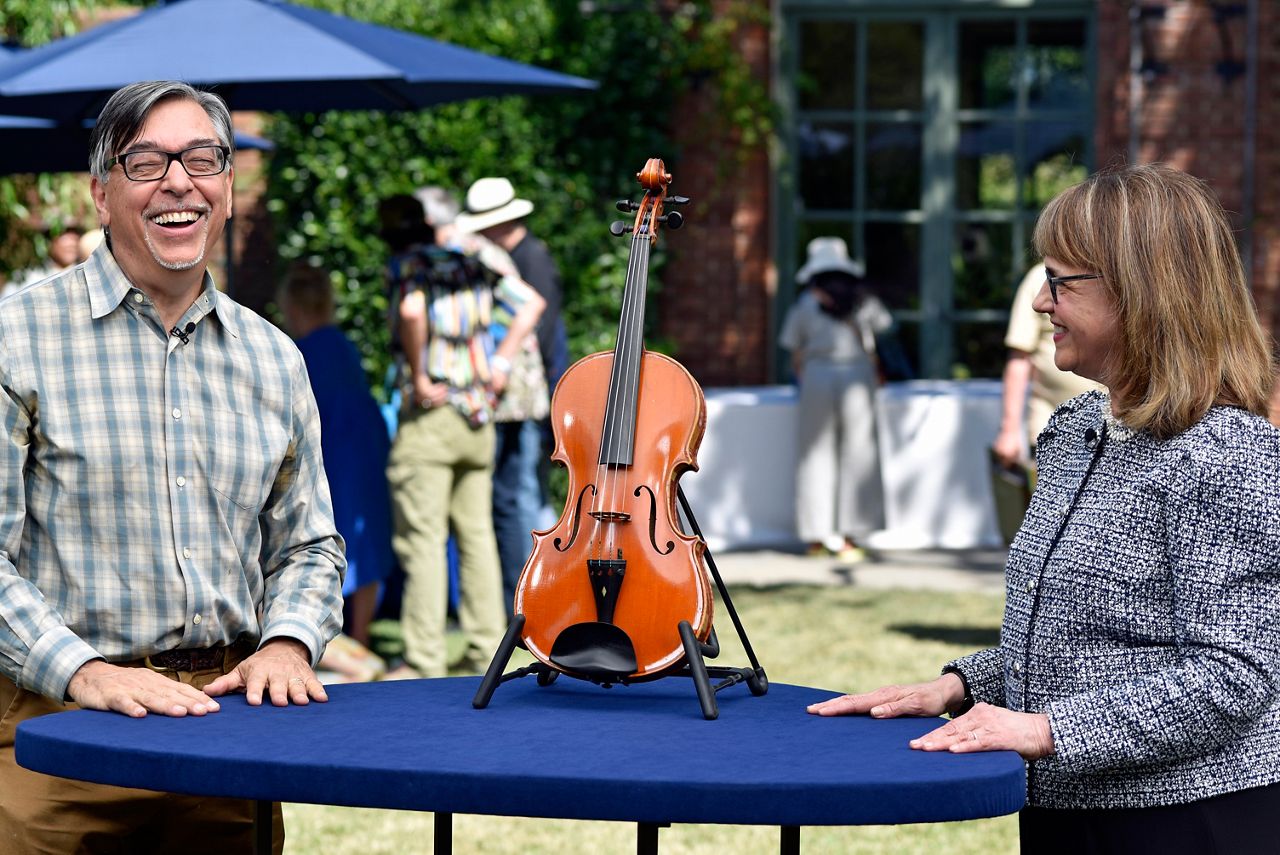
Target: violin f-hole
{"points": [[653, 521], [577, 517]]}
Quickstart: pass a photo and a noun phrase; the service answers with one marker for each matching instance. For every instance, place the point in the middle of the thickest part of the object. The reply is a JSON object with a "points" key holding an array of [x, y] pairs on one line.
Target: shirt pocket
{"points": [[242, 456]]}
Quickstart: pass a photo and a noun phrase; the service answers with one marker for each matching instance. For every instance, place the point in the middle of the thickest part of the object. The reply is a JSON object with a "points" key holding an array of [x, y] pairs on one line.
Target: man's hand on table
{"points": [[99, 685], [281, 668]]}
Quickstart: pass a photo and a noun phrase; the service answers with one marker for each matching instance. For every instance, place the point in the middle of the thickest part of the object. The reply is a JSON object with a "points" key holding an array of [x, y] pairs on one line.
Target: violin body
{"points": [[626, 511]]}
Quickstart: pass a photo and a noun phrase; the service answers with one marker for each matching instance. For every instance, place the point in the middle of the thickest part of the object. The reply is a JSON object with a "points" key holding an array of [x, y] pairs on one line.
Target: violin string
{"points": [[624, 391], [635, 352], [604, 498]]}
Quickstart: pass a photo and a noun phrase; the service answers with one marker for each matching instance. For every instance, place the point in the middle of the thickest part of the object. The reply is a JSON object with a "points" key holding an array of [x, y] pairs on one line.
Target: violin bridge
{"points": [[611, 516], [606, 581]]}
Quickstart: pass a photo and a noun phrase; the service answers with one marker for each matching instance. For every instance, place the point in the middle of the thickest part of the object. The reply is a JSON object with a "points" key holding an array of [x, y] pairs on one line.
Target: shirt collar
{"points": [[109, 286]]}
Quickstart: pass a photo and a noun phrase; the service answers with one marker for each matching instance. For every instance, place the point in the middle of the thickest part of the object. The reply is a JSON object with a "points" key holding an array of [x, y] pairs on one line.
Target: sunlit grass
{"points": [[837, 638]]}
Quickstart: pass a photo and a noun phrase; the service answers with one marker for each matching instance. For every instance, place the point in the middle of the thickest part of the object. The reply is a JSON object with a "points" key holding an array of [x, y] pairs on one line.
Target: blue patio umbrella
{"points": [[261, 55]]}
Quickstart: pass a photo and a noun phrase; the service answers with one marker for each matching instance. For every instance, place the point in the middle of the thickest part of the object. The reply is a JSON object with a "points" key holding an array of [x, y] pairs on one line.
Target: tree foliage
{"points": [[34, 207], [573, 155]]}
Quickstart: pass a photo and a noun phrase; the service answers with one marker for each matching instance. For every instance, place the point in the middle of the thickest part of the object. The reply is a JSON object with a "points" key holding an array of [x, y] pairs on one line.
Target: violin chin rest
{"points": [[598, 651]]}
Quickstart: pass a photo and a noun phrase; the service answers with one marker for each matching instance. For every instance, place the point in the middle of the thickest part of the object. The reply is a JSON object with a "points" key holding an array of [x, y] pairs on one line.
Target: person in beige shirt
{"points": [[1030, 366]]}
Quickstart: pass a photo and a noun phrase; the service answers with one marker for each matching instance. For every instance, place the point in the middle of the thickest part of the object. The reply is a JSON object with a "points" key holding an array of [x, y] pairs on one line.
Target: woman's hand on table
{"points": [[991, 728], [983, 728], [916, 699]]}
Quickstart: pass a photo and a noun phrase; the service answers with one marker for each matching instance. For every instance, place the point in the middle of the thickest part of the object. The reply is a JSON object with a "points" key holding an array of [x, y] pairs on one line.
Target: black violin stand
{"points": [[607, 663]]}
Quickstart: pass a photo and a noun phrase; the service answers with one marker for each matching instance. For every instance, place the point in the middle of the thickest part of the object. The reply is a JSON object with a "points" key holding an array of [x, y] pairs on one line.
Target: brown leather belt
{"points": [[223, 657], [200, 659]]}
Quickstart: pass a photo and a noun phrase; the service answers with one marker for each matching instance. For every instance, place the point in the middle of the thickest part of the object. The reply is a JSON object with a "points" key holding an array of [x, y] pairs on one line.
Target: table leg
{"points": [[262, 830], [790, 843], [647, 838], [443, 833]]}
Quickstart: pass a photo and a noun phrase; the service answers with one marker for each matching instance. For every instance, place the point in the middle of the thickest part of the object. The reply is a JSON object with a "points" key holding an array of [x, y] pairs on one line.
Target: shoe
{"points": [[852, 554], [351, 659], [402, 672]]}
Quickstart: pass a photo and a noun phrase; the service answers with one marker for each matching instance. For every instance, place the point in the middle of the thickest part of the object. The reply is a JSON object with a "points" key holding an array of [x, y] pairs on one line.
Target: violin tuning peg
{"points": [[673, 219], [619, 228], [626, 206], [677, 200]]}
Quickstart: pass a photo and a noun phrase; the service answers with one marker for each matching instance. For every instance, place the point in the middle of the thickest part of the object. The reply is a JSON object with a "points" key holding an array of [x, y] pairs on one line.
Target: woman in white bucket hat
{"points": [[830, 332]]}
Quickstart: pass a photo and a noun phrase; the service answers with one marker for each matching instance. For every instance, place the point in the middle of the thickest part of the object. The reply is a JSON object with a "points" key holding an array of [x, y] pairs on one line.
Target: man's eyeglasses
{"points": [[1055, 281], [200, 161]]}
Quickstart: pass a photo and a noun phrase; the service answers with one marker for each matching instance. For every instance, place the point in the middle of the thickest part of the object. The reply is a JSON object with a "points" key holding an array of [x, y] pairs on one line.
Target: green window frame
{"points": [[931, 151]]}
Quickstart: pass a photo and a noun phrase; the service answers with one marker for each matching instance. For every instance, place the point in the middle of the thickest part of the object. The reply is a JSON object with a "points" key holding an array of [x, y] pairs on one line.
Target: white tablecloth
{"points": [[933, 438]]}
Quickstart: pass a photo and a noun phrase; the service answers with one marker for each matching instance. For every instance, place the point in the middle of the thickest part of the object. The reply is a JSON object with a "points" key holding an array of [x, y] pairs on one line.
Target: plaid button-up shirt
{"points": [[155, 492]]}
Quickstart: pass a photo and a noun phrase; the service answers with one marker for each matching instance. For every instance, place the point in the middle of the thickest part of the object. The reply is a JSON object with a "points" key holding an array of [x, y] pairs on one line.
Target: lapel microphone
{"points": [[183, 334]]}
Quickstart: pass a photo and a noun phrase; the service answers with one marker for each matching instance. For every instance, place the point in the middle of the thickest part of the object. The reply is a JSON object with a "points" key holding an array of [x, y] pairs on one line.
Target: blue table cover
{"points": [[572, 750]]}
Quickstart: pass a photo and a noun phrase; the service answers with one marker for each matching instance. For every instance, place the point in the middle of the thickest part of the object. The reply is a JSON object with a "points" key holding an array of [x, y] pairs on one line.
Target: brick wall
{"points": [[1193, 117], [718, 288]]}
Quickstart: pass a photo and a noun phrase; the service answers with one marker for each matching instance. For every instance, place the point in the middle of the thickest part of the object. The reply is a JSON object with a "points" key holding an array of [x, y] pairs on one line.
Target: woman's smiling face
{"points": [[1085, 328]]}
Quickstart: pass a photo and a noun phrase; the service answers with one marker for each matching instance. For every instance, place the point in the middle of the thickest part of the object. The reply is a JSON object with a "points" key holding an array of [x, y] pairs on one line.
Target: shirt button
{"points": [[1031, 586], [182, 482], [196, 619], [186, 552], [1017, 667], [177, 413], [137, 297]]}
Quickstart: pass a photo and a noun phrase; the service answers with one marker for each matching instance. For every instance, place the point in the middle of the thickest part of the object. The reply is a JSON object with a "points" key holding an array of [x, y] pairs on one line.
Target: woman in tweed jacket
{"points": [[1138, 670]]}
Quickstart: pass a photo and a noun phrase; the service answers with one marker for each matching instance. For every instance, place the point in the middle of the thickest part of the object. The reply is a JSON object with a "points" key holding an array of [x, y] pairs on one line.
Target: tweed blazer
{"points": [[1143, 610]]}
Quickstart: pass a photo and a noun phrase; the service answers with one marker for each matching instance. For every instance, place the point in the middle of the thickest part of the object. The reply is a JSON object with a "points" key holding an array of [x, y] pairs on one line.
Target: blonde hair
{"points": [[1189, 336]]}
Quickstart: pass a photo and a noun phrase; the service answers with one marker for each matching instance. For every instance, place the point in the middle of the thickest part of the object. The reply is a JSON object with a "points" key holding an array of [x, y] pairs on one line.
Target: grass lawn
{"points": [[838, 638]]}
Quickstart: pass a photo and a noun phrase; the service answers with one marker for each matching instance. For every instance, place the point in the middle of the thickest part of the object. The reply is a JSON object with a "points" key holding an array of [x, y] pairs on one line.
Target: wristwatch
{"points": [[500, 363], [966, 703]]}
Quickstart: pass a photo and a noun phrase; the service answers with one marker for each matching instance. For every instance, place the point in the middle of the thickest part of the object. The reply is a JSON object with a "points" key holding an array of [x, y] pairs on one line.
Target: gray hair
{"points": [[126, 112], [439, 205]]}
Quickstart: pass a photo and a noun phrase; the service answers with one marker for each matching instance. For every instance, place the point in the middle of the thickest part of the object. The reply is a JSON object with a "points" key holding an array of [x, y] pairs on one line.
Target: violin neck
{"points": [[617, 448]]}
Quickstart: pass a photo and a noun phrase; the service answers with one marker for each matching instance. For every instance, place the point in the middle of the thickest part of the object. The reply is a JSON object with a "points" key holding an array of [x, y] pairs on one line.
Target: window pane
{"points": [[985, 166], [893, 263], [895, 62], [1056, 159], [1056, 65], [983, 265], [979, 350], [893, 166], [826, 165], [828, 63], [988, 65]]}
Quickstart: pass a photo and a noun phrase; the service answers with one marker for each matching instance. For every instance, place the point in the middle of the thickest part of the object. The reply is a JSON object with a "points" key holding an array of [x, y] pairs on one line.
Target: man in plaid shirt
{"points": [[166, 533]]}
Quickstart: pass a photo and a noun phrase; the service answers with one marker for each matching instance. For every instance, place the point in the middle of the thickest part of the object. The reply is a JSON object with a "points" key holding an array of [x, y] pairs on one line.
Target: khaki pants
{"points": [[46, 814], [441, 477]]}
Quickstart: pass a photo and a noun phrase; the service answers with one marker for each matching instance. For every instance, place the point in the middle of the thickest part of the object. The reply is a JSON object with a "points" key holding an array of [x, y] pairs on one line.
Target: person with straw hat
{"points": [[831, 332]]}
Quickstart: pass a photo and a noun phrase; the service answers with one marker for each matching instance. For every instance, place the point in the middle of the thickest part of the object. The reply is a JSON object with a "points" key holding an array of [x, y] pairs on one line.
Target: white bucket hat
{"points": [[491, 201], [827, 254]]}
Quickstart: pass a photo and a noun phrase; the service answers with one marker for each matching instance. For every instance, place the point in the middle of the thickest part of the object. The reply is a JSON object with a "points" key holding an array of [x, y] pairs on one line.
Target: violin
{"points": [[606, 588]]}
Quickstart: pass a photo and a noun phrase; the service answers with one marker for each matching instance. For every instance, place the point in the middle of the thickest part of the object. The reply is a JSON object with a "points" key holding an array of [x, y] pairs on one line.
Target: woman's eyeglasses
{"points": [[1055, 281]]}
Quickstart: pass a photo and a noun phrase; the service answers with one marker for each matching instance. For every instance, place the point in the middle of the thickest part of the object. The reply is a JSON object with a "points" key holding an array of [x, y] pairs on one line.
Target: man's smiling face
{"points": [[162, 229]]}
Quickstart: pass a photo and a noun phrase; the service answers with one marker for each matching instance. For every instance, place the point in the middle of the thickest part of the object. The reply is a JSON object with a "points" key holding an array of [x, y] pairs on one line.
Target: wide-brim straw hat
{"points": [[491, 202], [827, 254]]}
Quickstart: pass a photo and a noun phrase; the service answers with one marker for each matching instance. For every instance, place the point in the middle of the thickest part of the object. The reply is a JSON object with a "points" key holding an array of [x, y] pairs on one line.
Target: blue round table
{"points": [[572, 750]]}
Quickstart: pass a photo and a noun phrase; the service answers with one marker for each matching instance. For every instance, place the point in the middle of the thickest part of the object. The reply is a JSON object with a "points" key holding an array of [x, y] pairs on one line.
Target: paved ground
{"points": [[944, 570]]}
